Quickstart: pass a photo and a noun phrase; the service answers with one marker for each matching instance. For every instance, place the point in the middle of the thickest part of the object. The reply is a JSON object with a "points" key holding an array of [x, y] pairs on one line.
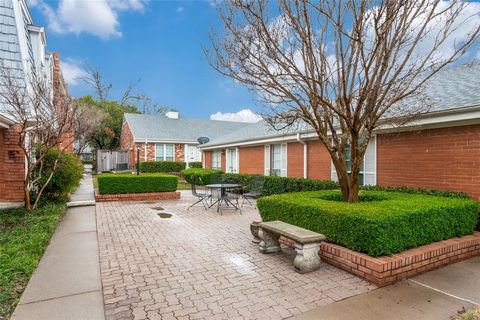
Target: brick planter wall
{"points": [[151, 196], [387, 270]]}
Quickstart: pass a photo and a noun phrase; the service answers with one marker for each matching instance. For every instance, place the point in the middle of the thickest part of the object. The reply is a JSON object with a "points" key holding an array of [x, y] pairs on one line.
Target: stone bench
{"points": [[307, 243]]}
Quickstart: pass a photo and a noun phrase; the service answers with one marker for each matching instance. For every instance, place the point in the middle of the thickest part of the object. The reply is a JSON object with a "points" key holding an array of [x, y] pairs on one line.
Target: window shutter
{"points": [[370, 163], [267, 159], [283, 172], [228, 163]]}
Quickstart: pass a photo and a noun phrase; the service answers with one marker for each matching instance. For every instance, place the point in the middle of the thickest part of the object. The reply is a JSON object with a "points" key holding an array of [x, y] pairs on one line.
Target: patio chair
{"points": [[201, 197], [254, 190]]}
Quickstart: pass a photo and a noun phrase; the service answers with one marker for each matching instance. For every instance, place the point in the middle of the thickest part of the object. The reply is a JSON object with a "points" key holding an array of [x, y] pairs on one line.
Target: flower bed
{"points": [[382, 223], [130, 183]]}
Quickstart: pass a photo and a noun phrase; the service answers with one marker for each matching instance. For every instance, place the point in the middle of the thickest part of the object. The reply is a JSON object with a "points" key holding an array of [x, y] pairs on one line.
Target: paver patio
{"points": [[203, 265]]}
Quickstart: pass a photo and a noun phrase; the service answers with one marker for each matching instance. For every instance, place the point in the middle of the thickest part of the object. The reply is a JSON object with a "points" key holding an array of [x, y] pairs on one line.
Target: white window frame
{"points": [[283, 159], [235, 167], [373, 158], [214, 154], [164, 151]]}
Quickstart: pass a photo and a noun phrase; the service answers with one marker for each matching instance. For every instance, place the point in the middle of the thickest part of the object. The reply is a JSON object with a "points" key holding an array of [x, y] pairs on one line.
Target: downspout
{"points": [[305, 155]]}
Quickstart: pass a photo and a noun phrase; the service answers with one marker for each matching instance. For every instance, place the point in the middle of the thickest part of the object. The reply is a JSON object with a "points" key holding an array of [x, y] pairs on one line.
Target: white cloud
{"points": [[72, 71], [180, 9], [98, 18], [245, 115]]}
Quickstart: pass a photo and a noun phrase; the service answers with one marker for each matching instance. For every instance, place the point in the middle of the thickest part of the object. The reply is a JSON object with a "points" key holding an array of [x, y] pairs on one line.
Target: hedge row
{"points": [[195, 164], [205, 175], [382, 223], [273, 184], [162, 166], [109, 183]]}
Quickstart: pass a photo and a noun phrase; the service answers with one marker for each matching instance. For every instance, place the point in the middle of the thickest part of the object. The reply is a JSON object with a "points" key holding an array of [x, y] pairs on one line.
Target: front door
{"points": [[232, 160], [192, 153]]}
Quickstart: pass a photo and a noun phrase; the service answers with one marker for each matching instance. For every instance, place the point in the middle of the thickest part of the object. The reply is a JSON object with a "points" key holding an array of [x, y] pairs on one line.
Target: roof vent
{"points": [[203, 140], [172, 114]]}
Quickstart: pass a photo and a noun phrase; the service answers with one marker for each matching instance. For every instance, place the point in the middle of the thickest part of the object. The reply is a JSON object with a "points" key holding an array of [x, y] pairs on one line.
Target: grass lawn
{"points": [[23, 239]]}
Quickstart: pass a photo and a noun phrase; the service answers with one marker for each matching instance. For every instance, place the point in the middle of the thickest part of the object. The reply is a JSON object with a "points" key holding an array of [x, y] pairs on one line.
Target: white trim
{"points": [[167, 141], [145, 151], [6, 205], [305, 155], [266, 159], [164, 151]]}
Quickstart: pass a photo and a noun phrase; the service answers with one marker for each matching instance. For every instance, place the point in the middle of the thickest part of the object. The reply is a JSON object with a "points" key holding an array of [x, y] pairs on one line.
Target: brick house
{"points": [[22, 49], [440, 150], [169, 137]]}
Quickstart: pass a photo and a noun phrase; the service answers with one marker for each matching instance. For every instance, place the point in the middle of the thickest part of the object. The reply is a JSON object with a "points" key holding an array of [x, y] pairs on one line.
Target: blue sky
{"points": [[157, 41]]}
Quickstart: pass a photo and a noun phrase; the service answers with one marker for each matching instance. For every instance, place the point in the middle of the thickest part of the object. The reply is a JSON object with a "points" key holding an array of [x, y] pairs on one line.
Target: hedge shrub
{"points": [[162, 166], [195, 164], [66, 178], [277, 185], [382, 223], [109, 183], [204, 174]]}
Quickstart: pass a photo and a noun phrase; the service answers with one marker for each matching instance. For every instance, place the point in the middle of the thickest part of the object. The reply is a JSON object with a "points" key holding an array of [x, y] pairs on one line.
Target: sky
{"points": [[159, 42]]}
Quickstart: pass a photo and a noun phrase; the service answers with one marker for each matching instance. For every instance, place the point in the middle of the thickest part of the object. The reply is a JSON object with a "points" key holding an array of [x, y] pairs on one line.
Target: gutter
{"points": [[145, 151], [305, 156]]}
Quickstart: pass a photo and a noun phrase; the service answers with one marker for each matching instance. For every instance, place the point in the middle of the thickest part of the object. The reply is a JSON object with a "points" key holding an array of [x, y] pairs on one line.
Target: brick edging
{"points": [[387, 270], [153, 196]]}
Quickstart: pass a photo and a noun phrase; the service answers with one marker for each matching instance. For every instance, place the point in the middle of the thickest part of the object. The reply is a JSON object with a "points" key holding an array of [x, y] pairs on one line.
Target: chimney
{"points": [[172, 114]]}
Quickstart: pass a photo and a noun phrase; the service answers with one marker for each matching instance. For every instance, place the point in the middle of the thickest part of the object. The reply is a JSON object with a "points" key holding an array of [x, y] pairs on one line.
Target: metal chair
{"points": [[202, 197], [254, 190]]}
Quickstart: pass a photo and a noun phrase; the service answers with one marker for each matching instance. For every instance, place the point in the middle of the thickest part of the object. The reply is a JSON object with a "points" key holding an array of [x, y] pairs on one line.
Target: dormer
{"points": [[39, 42]]}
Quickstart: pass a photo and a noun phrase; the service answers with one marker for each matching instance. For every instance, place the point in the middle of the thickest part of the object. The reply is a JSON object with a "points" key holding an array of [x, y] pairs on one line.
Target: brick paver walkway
{"points": [[203, 265]]}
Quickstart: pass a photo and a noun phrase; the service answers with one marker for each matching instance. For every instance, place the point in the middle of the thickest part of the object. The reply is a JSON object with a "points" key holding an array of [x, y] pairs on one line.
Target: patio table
{"points": [[223, 193]]}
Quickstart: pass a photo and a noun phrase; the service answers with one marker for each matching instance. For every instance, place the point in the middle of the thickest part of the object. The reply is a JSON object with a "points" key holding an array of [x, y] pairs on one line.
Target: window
{"points": [[217, 160], [276, 160], [367, 175], [164, 152]]}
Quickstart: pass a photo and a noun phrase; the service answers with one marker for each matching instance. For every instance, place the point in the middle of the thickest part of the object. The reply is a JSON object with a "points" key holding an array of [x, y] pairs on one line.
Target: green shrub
{"points": [[87, 161], [432, 192], [382, 224], [109, 183], [66, 178], [195, 164], [277, 185], [205, 175], [162, 166]]}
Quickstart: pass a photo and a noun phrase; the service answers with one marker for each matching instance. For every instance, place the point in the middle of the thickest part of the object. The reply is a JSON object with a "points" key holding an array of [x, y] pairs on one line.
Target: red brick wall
{"points": [[207, 162], [12, 166], [127, 143], [444, 159], [252, 160], [59, 93], [223, 160], [319, 163], [179, 152], [295, 160]]}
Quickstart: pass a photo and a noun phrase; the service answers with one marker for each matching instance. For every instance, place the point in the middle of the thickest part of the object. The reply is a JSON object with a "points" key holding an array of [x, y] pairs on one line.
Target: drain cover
{"points": [[164, 215], [157, 208]]}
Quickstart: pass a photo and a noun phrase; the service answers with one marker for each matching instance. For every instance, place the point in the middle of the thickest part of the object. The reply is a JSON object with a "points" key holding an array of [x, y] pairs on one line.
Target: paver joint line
{"points": [[59, 297], [444, 292]]}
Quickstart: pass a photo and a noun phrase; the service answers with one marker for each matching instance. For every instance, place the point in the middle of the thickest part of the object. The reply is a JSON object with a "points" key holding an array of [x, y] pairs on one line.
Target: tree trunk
{"points": [[26, 192]]}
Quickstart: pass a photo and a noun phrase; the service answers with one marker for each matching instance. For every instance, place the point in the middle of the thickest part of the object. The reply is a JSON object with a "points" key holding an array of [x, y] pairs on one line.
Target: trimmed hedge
{"points": [[382, 223], [109, 183], [278, 185], [162, 166], [195, 165], [432, 192], [204, 174]]}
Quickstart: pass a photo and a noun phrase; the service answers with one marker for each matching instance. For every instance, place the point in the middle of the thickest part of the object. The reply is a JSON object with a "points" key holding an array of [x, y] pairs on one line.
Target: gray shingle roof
{"points": [[452, 88], [160, 128]]}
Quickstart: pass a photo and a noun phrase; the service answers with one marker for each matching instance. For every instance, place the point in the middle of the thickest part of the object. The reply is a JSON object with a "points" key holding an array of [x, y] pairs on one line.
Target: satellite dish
{"points": [[203, 140]]}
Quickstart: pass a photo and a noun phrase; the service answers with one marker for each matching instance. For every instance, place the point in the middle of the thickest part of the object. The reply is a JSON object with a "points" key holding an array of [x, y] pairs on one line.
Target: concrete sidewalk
{"points": [[67, 284], [435, 295]]}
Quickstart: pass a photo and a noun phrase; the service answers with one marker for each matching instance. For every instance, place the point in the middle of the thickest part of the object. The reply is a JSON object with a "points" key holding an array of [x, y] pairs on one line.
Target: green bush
{"points": [[109, 183], [277, 185], [432, 192], [162, 166], [195, 164], [204, 174], [382, 223], [87, 161], [66, 178]]}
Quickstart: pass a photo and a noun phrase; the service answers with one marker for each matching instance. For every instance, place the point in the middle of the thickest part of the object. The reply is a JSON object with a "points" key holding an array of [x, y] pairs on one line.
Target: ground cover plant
{"points": [[382, 223], [109, 183], [24, 237]]}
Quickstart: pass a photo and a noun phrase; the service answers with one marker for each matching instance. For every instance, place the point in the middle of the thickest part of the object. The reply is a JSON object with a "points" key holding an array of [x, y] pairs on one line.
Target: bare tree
{"points": [[43, 118], [86, 123], [342, 67]]}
